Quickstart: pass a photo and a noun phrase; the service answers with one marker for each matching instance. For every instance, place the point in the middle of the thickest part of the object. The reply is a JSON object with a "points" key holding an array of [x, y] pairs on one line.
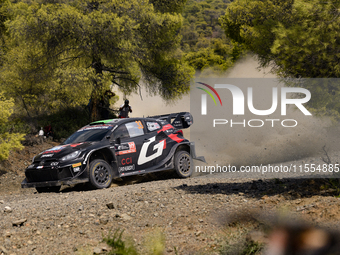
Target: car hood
{"points": [[60, 151]]}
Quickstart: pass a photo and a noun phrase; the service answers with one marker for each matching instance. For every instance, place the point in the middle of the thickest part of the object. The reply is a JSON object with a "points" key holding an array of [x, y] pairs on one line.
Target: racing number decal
{"points": [[140, 125], [142, 159]]}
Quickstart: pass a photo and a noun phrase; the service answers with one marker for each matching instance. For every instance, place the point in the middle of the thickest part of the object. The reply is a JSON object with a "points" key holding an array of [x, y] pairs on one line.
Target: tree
{"points": [[73, 50], [298, 39], [203, 41], [8, 141]]}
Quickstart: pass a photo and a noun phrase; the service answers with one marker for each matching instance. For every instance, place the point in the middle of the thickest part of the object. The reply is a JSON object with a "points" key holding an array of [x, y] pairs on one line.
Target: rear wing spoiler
{"points": [[179, 120]]}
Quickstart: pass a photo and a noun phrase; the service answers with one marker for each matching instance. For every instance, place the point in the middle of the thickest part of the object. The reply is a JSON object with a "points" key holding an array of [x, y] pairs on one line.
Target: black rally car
{"points": [[115, 148]]}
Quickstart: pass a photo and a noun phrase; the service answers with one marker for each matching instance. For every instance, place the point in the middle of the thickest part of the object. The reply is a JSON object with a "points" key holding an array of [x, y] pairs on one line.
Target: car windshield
{"points": [[89, 134]]}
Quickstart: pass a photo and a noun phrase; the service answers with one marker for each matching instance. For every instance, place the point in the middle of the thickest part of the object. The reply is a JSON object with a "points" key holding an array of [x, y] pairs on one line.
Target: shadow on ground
{"points": [[290, 188], [129, 180]]}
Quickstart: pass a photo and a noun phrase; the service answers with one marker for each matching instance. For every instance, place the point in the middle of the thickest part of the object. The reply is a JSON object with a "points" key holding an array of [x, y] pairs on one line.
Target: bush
{"points": [[9, 138], [64, 122]]}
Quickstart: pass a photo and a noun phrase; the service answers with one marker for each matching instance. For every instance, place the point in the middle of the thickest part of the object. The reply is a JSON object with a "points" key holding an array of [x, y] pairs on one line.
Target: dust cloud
{"points": [[244, 145]]}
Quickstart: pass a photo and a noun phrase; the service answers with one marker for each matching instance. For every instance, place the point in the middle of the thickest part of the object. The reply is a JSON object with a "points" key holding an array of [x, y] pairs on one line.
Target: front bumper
{"points": [[49, 175]]}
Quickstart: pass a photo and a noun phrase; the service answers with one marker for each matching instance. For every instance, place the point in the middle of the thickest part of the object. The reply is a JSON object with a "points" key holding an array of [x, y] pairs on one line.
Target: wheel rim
{"points": [[101, 174], [184, 164]]}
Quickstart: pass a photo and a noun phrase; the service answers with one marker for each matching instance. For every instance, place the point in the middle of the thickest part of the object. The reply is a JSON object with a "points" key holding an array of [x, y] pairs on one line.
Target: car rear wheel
{"points": [[48, 189], [183, 164], [100, 174]]}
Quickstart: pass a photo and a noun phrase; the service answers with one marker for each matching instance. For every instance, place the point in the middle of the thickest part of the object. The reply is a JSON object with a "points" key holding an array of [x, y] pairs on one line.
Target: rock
{"points": [[8, 209], [81, 208], [123, 216], [18, 223], [198, 233], [97, 250], [103, 220], [257, 237], [2, 201], [304, 207], [110, 205], [3, 250]]}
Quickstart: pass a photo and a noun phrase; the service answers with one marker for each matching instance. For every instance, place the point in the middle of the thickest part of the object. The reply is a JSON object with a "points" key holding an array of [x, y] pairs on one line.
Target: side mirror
{"points": [[118, 140]]}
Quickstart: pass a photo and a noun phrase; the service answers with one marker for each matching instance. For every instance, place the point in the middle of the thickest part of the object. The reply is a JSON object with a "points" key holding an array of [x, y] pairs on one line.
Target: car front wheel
{"points": [[100, 174], [183, 164]]}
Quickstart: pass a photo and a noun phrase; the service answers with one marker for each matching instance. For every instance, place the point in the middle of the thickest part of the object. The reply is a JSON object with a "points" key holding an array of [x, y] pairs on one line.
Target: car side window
{"points": [[152, 126], [121, 132], [135, 128]]}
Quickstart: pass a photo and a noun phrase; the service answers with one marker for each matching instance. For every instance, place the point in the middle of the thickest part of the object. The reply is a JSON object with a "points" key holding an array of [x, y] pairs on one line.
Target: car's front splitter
{"points": [[26, 184]]}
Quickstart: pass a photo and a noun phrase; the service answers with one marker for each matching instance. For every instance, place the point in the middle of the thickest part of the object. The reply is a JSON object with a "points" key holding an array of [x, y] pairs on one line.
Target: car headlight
{"points": [[70, 156]]}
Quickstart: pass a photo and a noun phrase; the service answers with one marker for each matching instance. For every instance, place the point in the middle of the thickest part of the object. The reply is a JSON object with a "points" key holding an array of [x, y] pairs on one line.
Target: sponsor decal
{"points": [[76, 165], [152, 126], [95, 127], [126, 161], [75, 144], [139, 124], [47, 155], [31, 166], [55, 149], [126, 168], [76, 169], [126, 148], [54, 163], [142, 159], [39, 167], [169, 129]]}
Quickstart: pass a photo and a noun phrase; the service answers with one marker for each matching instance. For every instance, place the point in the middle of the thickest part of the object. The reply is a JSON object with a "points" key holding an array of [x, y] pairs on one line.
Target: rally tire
{"points": [[183, 164], [52, 189], [100, 174]]}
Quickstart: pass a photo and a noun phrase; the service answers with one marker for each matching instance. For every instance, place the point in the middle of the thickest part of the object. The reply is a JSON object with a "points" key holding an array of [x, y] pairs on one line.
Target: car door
{"points": [[125, 149], [152, 146]]}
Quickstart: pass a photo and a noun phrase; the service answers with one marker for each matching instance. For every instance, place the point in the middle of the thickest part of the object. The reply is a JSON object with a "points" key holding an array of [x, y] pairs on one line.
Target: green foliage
{"points": [[299, 39], [62, 54], [8, 140], [203, 40], [120, 246], [252, 248], [155, 244], [65, 121]]}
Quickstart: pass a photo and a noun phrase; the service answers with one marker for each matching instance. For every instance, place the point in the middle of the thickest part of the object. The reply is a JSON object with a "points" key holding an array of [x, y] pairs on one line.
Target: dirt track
{"points": [[192, 213]]}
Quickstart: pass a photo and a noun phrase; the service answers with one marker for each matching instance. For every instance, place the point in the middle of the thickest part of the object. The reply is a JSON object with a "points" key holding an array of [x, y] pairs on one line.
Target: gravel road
{"points": [[190, 212], [193, 214]]}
